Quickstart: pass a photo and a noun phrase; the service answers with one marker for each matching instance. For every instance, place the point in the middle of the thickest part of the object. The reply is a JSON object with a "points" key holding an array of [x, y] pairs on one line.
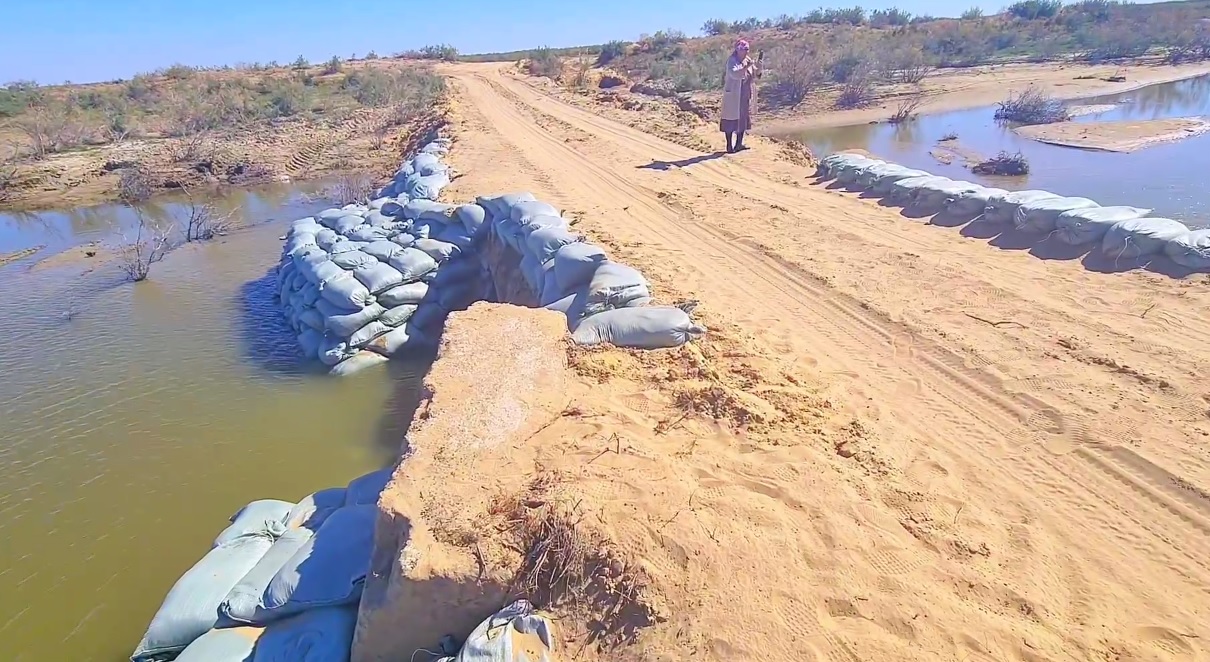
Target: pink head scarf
{"points": [[741, 45]]}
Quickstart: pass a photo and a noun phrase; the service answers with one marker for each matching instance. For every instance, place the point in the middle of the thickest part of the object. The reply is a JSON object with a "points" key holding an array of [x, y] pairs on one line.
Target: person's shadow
{"points": [[683, 163]]}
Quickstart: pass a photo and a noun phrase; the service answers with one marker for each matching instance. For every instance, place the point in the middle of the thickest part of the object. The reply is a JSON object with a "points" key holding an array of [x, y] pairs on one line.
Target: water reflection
{"points": [[1164, 177]]}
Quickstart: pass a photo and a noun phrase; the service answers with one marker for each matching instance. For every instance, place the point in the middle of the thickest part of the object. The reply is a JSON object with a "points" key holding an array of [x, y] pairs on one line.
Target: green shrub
{"points": [[610, 52]]}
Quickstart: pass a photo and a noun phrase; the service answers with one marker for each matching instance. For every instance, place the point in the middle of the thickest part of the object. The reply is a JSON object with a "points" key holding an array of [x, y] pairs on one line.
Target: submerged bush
{"points": [[1003, 164], [1032, 107]]}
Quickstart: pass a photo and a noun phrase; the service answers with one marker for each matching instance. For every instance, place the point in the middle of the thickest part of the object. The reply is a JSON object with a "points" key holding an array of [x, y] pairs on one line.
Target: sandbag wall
{"points": [[1120, 232], [281, 583]]}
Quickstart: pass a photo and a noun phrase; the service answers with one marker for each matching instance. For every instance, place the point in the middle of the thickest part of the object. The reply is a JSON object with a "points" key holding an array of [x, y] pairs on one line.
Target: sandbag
{"points": [[1084, 226], [523, 212], [510, 233], [328, 216], [377, 204], [368, 233], [356, 363], [532, 224], [516, 633], [848, 173], [458, 271], [425, 209], [235, 644], [972, 202], [457, 235], [394, 208], [298, 240], [313, 509], [429, 317], [312, 318], [364, 490], [531, 271], [263, 516], [1191, 249], [424, 229], [329, 569], [885, 180], [576, 263], [1140, 237], [318, 635], [502, 205], [409, 293], [381, 250], [378, 277], [346, 291], [244, 603], [403, 239], [428, 164], [460, 296], [544, 242], [1040, 216], [437, 249], [376, 219], [398, 315], [354, 259], [320, 272], [412, 263], [333, 350], [346, 224], [429, 187], [365, 334], [392, 342], [471, 217], [866, 178], [572, 306], [638, 328], [347, 246], [191, 607], [904, 191], [308, 224], [309, 341], [344, 322], [830, 164], [932, 197], [614, 285], [1001, 209]]}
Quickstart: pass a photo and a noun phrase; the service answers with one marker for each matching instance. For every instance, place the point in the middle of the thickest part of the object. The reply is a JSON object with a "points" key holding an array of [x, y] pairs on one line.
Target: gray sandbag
{"points": [[328, 217], [516, 633], [394, 208], [392, 342], [429, 187], [346, 291], [262, 516], [435, 147], [356, 363], [866, 178], [510, 233], [638, 328], [365, 489], [344, 322], [308, 224], [352, 260], [408, 293], [471, 217], [931, 198], [298, 240], [377, 204], [1040, 216], [233, 644], [412, 263], [847, 174], [531, 271], [460, 296], [313, 509], [531, 224], [455, 234], [458, 271], [398, 315], [403, 239], [333, 350], [1191, 249], [544, 242], [615, 285], [347, 245], [378, 277], [425, 229], [428, 318], [419, 209], [522, 212], [191, 607], [972, 202], [427, 164], [365, 334], [572, 306], [882, 183], [501, 205], [1002, 209], [367, 233], [381, 250], [320, 272], [356, 208], [326, 239], [441, 251], [329, 569], [376, 219], [310, 341], [346, 224], [551, 291], [830, 164], [903, 192], [576, 263], [1140, 237], [312, 318], [1084, 226], [244, 603], [318, 635]]}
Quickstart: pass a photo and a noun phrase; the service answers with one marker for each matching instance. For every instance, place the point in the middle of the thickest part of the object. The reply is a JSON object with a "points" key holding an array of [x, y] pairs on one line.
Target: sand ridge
{"points": [[897, 443]]}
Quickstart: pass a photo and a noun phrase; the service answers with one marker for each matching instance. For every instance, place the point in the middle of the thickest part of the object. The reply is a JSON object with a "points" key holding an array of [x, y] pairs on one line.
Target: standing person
{"points": [[742, 70]]}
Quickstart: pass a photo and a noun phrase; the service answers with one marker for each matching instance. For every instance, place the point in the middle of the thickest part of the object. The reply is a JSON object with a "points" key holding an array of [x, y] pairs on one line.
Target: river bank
{"points": [[1120, 136]]}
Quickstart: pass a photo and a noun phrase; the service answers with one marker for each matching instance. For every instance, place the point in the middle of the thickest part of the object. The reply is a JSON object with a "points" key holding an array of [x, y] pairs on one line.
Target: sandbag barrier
{"points": [[363, 283], [283, 580], [1120, 232]]}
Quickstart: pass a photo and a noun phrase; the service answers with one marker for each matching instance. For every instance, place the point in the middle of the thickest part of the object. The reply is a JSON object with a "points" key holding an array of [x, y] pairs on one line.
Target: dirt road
{"points": [[1028, 474]]}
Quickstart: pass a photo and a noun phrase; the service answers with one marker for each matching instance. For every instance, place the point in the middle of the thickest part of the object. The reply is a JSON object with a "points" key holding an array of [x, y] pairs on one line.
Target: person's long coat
{"points": [[737, 90]]}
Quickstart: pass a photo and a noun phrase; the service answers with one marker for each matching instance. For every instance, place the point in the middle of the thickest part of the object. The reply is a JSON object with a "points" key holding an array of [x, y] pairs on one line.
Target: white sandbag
{"points": [[882, 183], [364, 490], [1039, 216], [440, 251], [377, 204], [308, 224], [471, 217], [319, 272], [346, 246], [423, 229], [429, 187], [408, 293], [313, 509], [319, 635], [1191, 249], [435, 147], [551, 291], [829, 164], [328, 217], [931, 198], [346, 291], [533, 224], [904, 191], [344, 322], [346, 224], [847, 174], [397, 315], [544, 242], [356, 208], [365, 334], [516, 633], [367, 233], [522, 212], [638, 328], [298, 240], [382, 250], [1001, 209], [378, 277], [310, 341], [412, 263], [576, 263], [1084, 226], [501, 205], [1140, 237], [972, 202], [264, 516], [312, 318], [510, 233], [245, 602], [191, 607], [423, 209], [354, 259], [329, 569], [356, 363], [866, 178], [614, 285], [403, 240], [390, 343], [333, 350], [376, 219], [233, 644], [427, 164]]}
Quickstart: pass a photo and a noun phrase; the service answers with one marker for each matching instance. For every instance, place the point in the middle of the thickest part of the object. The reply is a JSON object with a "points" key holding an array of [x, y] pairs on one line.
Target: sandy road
{"points": [[1046, 493]]}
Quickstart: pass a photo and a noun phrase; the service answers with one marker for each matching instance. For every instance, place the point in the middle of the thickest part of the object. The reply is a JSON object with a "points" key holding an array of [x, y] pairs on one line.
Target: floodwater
{"points": [[136, 418], [1161, 177]]}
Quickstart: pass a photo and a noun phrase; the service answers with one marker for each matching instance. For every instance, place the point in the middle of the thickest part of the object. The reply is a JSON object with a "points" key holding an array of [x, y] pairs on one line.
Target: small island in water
{"points": [[1116, 136]]}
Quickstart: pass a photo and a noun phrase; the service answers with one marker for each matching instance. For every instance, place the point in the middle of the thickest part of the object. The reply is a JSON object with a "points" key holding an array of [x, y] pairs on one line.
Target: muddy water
{"points": [[134, 419], [1164, 177]]}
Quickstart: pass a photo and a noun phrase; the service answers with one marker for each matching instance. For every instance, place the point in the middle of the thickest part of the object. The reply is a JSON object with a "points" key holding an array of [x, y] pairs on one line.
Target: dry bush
{"points": [[794, 72], [49, 129], [544, 62], [203, 221], [1032, 106], [350, 188], [907, 107], [134, 186], [148, 246], [1003, 164], [856, 93]]}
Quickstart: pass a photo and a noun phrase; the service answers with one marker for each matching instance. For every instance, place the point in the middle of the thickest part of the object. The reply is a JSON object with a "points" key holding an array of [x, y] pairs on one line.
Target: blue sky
{"points": [[52, 41]]}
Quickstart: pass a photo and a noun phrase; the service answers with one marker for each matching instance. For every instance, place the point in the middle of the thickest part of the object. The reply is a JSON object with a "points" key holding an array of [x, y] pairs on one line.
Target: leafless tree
{"points": [[908, 107], [350, 188], [148, 246], [204, 222]]}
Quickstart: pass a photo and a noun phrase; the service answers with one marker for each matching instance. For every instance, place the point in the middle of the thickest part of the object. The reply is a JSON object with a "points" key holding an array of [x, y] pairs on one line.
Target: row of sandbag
{"points": [[1121, 231], [280, 584], [362, 283], [604, 301]]}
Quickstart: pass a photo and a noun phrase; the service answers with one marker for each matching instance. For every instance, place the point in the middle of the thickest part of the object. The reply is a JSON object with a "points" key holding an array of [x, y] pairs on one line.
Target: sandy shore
{"points": [[1123, 136]]}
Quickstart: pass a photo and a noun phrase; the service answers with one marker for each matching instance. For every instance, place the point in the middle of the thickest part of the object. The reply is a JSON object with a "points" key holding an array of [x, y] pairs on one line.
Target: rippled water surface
{"points": [[136, 418], [1164, 177]]}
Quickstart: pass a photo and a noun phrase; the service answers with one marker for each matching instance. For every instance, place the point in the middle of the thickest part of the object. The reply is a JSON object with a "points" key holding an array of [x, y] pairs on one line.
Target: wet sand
{"points": [[1122, 136]]}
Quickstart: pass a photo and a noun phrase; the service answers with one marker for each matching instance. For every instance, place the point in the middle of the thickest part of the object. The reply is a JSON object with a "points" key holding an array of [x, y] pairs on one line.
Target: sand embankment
{"points": [[1121, 136]]}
